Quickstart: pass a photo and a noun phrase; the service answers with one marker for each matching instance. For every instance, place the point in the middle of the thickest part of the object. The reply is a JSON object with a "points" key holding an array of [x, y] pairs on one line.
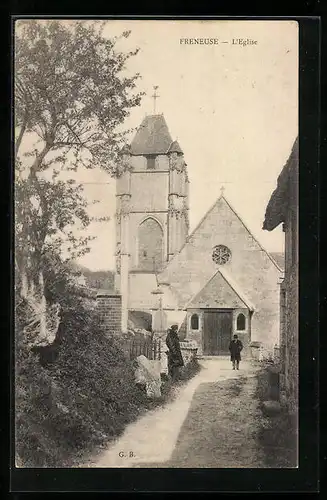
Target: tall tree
{"points": [[72, 96]]}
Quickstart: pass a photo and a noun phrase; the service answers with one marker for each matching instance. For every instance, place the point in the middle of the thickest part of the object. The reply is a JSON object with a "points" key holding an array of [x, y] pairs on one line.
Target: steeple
{"points": [[152, 137], [175, 148], [152, 207]]}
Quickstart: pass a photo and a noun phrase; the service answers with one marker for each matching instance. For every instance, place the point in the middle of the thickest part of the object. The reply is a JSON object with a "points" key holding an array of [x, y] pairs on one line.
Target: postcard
{"points": [[156, 243]]}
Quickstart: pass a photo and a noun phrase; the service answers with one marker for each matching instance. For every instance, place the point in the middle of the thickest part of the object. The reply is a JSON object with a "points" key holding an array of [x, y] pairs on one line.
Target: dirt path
{"points": [[221, 428], [179, 433]]}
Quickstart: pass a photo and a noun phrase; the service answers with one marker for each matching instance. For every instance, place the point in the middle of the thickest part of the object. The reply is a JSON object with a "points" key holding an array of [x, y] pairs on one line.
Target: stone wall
{"points": [[250, 267], [189, 350], [196, 335], [149, 191], [289, 348], [109, 308]]}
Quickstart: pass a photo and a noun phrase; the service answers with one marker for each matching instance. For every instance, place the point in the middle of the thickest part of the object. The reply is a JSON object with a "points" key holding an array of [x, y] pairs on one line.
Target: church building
{"points": [[214, 282]]}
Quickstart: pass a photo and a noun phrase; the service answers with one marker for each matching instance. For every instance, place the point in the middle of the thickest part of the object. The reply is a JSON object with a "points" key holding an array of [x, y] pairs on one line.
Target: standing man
{"points": [[235, 348], [175, 358]]}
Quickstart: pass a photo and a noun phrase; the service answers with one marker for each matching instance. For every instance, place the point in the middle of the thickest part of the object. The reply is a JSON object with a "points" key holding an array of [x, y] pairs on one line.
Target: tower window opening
{"points": [[151, 162]]}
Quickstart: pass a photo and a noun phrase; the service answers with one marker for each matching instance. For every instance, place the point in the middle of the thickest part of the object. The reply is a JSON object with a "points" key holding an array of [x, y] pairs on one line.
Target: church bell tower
{"points": [[152, 220]]}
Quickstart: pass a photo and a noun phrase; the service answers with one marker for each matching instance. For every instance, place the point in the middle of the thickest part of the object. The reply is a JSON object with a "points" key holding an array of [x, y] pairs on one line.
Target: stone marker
{"points": [[271, 408], [148, 373]]}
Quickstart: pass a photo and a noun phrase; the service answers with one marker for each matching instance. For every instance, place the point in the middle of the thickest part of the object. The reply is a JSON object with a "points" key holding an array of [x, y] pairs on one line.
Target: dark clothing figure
{"points": [[174, 355], [235, 348]]}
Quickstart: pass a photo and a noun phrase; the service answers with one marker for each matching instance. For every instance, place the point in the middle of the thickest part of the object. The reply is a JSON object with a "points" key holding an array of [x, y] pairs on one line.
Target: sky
{"points": [[233, 109]]}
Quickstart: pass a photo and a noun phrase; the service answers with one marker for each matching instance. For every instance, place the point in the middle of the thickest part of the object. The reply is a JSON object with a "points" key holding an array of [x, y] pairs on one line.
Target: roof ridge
{"points": [[201, 221], [198, 293], [229, 282], [255, 239], [192, 233], [170, 145]]}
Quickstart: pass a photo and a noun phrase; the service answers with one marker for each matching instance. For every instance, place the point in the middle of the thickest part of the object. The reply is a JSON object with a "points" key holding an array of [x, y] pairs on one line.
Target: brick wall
{"points": [[109, 308]]}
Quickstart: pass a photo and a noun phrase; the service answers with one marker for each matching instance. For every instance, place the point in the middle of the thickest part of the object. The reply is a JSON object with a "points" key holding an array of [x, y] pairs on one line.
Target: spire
{"points": [[152, 137], [175, 148]]}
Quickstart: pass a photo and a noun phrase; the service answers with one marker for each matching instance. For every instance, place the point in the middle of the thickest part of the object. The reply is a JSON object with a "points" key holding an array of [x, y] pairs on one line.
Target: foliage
{"points": [[72, 97], [78, 392], [190, 370], [70, 90], [73, 401], [71, 100], [46, 214]]}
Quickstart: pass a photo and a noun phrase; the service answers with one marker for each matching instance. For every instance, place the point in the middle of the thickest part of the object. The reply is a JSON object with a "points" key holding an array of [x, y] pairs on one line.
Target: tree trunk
{"points": [[43, 317]]}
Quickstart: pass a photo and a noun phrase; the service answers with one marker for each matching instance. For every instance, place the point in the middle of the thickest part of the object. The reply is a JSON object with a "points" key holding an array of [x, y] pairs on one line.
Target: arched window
{"points": [[151, 241], [240, 322], [194, 322]]}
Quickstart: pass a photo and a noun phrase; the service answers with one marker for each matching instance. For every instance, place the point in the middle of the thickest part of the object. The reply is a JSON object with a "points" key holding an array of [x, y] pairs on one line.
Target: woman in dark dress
{"points": [[175, 358], [235, 348]]}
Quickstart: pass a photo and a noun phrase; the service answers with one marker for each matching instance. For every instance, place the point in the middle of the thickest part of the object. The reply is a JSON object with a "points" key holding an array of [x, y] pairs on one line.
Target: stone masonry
{"points": [[154, 247], [283, 209]]}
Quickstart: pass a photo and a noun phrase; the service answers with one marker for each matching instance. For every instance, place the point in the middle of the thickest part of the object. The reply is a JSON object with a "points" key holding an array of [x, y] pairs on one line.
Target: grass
{"points": [[146, 404], [189, 371]]}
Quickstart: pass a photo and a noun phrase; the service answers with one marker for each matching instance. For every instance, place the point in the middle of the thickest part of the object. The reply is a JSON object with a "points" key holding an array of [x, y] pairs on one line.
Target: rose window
{"points": [[221, 254]]}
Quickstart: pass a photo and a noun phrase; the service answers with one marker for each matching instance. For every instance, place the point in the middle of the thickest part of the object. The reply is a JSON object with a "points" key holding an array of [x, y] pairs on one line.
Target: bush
{"points": [[190, 370], [78, 392], [73, 395]]}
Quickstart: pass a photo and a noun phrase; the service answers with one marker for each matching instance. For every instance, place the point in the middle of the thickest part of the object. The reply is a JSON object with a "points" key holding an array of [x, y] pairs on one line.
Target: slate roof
{"points": [[152, 137], [175, 148], [220, 292]]}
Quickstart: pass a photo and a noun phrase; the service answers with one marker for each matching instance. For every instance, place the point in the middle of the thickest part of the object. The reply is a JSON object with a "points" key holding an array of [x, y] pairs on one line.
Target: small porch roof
{"points": [[231, 283]]}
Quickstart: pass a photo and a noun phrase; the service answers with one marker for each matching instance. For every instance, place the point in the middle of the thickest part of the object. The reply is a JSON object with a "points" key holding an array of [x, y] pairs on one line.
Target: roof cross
{"points": [[222, 190], [155, 97]]}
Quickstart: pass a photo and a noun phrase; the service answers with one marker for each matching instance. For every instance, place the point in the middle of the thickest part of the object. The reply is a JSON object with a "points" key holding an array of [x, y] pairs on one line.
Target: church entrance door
{"points": [[217, 332]]}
